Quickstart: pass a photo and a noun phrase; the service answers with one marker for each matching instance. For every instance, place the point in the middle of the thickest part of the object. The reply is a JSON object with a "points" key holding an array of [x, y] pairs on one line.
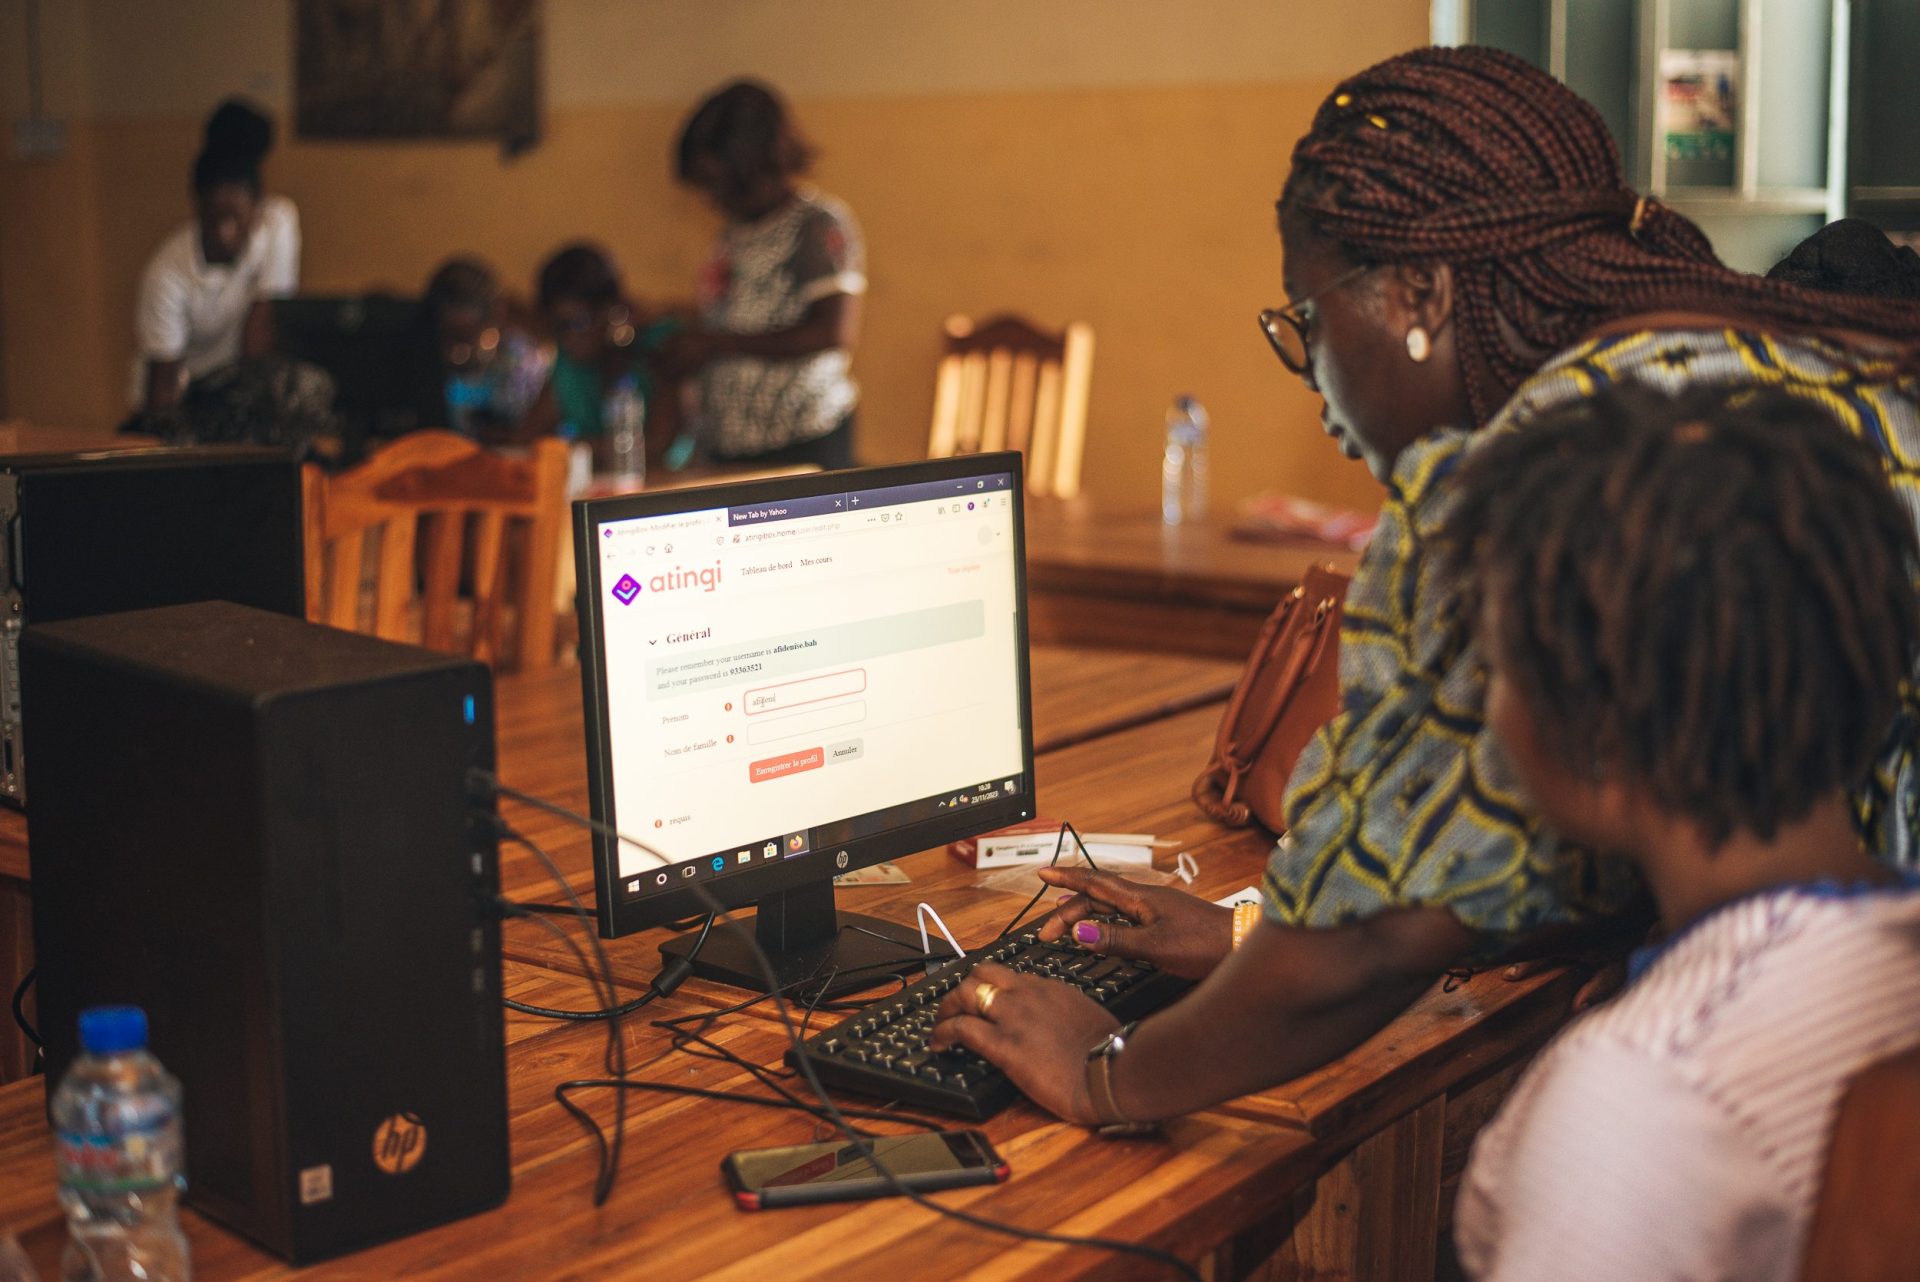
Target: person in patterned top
{"points": [[1462, 255], [779, 300]]}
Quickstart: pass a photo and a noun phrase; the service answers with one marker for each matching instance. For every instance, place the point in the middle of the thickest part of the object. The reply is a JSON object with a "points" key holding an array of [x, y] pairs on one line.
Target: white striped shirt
{"points": [[1680, 1131]]}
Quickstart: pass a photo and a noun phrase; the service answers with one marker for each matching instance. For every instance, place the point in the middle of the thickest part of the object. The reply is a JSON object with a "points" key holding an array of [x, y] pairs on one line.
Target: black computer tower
{"points": [[263, 832], [104, 531]]}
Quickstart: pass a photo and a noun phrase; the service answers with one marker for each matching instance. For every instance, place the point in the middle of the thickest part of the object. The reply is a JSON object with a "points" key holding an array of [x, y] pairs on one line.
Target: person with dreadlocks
{"points": [[1697, 613], [1462, 255]]}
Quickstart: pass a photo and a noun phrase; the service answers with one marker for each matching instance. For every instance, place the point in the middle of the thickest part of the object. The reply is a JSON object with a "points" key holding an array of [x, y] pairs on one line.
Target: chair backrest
{"points": [[441, 508], [1865, 1227], [1005, 385]]}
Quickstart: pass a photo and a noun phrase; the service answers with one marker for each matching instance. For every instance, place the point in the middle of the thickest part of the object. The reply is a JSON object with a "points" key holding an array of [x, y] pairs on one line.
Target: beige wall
{"points": [[1113, 161]]}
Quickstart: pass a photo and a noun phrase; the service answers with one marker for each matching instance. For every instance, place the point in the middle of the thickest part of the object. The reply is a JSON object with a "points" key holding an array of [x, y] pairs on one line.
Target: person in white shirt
{"points": [[200, 288], [1698, 614]]}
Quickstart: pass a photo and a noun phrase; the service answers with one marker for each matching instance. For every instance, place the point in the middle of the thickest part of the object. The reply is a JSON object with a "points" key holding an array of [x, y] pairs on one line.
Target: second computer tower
{"points": [[264, 832]]}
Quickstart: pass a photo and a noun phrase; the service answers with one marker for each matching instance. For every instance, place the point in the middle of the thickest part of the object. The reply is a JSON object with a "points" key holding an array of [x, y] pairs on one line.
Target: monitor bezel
{"points": [[618, 916]]}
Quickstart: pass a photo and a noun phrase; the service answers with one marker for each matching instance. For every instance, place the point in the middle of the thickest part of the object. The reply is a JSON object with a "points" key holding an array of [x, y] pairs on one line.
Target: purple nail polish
{"points": [[1087, 933], [1061, 899]]}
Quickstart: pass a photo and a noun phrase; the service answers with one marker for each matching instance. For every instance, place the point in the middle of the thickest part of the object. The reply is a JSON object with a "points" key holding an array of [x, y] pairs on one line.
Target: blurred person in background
{"points": [[779, 301], [199, 296]]}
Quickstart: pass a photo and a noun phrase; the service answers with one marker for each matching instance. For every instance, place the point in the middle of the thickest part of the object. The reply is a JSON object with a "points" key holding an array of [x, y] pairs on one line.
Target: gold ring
{"points": [[983, 998]]}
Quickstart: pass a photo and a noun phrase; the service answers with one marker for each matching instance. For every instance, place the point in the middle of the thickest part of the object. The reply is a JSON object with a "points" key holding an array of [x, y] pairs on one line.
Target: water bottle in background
{"points": [[1183, 469], [116, 1124], [468, 396], [626, 428]]}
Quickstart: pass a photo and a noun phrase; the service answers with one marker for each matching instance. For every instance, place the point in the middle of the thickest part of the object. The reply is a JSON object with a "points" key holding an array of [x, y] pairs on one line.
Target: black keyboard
{"points": [[882, 1050]]}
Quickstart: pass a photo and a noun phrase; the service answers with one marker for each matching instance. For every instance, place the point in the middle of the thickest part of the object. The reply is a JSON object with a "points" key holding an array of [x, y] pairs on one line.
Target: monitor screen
{"points": [[789, 679]]}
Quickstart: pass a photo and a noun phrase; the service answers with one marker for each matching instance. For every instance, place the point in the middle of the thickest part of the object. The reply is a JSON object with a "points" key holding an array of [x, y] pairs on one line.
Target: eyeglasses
{"points": [[1288, 332]]}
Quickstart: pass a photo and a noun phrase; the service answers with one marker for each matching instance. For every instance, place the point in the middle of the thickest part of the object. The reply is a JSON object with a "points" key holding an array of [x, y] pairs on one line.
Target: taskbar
{"points": [[805, 841]]}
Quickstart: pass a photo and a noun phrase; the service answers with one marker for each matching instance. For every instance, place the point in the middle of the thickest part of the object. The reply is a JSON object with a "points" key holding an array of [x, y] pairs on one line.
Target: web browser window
{"points": [[786, 677]]}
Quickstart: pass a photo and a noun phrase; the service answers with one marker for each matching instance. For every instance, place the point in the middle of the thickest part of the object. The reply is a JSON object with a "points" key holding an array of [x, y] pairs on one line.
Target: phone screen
{"points": [[839, 1172]]}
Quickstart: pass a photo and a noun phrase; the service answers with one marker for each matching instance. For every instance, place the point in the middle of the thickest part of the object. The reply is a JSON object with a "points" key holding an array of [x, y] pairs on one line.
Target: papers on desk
{"points": [[1251, 895], [881, 874], [1271, 517]]}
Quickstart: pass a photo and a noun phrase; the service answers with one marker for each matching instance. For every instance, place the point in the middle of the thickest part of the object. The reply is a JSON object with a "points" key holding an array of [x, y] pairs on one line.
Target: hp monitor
{"points": [[789, 679]]}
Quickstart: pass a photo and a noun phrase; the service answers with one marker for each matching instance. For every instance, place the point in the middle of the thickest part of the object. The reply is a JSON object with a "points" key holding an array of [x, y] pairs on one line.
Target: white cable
{"points": [[1186, 866], [924, 911]]}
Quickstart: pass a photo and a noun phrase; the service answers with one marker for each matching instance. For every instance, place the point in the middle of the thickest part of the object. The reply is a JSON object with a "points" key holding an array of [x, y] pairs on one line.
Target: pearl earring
{"points": [[1419, 346]]}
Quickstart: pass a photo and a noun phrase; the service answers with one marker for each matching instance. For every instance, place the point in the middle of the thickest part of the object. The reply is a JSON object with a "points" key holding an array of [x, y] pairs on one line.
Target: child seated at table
{"points": [[491, 369], [604, 347], [1697, 614]]}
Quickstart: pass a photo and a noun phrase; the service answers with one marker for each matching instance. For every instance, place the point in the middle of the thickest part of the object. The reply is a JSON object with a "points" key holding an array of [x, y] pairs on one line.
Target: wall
{"points": [[1113, 161]]}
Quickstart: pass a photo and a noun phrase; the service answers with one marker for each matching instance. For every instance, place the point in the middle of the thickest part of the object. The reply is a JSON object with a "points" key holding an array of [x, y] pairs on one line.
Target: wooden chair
{"points": [[1005, 385], [420, 497], [1865, 1227]]}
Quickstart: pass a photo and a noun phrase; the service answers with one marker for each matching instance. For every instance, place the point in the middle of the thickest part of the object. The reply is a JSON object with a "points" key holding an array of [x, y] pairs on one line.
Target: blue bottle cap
{"points": [[107, 1030]]}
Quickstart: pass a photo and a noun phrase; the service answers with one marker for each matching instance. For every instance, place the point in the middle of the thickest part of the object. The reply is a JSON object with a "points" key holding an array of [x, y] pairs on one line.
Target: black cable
{"points": [[549, 1012], [680, 927], [616, 1044], [740, 1097], [19, 1005], [684, 1039], [1059, 844], [581, 1016], [671, 976], [804, 1063]]}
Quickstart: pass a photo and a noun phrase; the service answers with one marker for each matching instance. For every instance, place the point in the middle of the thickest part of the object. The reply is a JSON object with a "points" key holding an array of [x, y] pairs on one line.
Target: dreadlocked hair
{"points": [[1710, 596], [1473, 158]]}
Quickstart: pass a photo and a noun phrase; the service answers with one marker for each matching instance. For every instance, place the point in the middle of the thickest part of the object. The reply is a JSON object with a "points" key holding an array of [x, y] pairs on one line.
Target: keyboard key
{"points": [[885, 1051]]}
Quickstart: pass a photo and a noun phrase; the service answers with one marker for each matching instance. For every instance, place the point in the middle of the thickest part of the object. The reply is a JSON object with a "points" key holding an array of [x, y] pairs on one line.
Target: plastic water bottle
{"points": [[626, 425], [1183, 469], [116, 1122], [467, 396]]}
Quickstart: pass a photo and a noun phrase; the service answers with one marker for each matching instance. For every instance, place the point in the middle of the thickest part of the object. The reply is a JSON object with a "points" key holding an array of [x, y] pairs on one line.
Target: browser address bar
{"points": [[770, 533]]}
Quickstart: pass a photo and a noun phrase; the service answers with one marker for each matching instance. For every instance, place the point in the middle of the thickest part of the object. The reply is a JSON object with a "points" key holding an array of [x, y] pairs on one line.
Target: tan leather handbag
{"points": [[1289, 689]]}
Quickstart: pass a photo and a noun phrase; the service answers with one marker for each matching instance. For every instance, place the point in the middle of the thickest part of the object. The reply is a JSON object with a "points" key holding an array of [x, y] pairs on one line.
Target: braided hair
{"points": [[1709, 596], [1473, 158]]}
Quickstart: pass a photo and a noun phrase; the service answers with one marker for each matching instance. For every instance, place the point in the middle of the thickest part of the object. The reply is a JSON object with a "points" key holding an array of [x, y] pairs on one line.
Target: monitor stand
{"points": [[815, 951]]}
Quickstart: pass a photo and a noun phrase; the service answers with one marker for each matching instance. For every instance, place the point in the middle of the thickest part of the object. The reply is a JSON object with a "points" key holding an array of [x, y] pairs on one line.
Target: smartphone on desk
{"points": [[838, 1172]]}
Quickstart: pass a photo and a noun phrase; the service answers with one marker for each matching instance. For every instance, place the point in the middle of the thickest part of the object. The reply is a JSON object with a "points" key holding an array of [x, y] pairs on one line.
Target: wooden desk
{"points": [[18, 437], [1077, 695], [1340, 1173], [1124, 579]]}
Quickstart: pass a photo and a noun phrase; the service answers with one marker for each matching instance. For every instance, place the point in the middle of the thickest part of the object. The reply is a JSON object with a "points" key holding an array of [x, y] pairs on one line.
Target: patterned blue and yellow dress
{"points": [[1405, 798]]}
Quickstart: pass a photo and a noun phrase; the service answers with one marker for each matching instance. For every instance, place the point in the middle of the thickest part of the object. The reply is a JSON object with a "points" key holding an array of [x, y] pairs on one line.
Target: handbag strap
{"points": [[1291, 645], [1294, 638]]}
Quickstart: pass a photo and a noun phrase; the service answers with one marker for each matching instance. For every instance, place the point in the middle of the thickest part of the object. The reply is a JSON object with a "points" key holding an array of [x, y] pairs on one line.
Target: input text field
{"points": [[760, 700], [807, 722]]}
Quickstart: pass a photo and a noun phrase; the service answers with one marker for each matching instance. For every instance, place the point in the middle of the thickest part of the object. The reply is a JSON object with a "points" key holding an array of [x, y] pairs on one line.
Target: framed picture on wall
{"points": [[417, 69]]}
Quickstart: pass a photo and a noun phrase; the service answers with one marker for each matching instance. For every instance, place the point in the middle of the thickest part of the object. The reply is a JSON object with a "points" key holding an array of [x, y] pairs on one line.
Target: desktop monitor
{"points": [[382, 353], [789, 679]]}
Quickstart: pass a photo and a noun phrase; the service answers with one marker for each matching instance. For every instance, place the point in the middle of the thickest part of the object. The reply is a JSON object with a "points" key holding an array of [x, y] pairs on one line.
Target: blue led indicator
{"points": [[470, 710]]}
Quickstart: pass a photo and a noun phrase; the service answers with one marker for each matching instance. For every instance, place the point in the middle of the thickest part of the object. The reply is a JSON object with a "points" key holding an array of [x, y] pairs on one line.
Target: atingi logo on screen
{"points": [[681, 579]]}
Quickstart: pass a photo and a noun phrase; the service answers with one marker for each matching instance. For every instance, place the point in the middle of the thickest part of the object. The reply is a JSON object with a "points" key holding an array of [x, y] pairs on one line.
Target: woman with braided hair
{"points": [[1462, 254]]}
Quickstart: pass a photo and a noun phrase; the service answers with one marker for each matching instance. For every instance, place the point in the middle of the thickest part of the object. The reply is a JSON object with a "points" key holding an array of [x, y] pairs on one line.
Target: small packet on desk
{"points": [[1026, 844], [1271, 517]]}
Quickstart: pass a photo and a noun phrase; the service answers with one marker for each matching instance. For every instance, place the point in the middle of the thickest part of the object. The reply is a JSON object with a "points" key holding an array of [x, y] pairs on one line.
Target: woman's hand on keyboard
{"points": [[1178, 932], [1037, 1030]]}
